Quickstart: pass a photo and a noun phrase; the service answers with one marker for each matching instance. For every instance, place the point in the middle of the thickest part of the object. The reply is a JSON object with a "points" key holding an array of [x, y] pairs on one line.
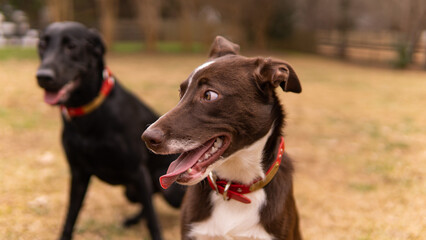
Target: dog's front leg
{"points": [[151, 216], [79, 183]]}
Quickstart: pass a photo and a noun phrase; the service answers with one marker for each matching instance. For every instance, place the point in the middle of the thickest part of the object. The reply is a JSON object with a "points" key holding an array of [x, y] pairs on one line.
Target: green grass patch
{"points": [[3, 112], [101, 229], [13, 52], [393, 145], [383, 167], [362, 187], [18, 119], [176, 47], [372, 129], [89, 224], [26, 124], [164, 47]]}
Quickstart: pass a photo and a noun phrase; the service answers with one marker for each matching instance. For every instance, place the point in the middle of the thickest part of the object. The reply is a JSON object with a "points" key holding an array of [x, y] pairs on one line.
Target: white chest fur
{"points": [[233, 219]]}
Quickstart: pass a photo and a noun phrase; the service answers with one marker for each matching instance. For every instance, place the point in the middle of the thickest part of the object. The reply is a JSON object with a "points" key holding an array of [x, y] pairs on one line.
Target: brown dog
{"points": [[227, 126]]}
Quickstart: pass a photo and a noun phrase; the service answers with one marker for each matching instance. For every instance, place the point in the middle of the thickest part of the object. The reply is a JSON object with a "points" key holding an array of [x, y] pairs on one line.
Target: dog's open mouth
{"points": [[192, 164], [57, 97]]}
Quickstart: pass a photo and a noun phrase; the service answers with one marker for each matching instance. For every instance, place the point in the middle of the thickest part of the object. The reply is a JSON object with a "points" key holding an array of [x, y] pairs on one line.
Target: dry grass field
{"points": [[357, 134]]}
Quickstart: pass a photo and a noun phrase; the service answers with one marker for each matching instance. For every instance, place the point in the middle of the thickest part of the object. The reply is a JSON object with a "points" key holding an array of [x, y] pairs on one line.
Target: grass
{"points": [[162, 47], [357, 135], [17, 53], [124, 47]]}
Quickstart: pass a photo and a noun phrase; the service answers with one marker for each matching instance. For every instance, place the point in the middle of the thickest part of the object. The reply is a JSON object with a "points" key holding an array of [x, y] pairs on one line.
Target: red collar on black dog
{"points": [[235, 191], [107, 85]]}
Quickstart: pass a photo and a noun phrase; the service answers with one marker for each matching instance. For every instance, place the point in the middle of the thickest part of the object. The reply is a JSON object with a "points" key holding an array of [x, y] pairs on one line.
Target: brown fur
{"points": [[246, 110]]}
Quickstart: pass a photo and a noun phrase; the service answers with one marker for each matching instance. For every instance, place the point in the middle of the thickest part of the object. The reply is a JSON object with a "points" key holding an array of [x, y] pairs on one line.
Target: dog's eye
{"points": [[210, 95], [71, 46]]}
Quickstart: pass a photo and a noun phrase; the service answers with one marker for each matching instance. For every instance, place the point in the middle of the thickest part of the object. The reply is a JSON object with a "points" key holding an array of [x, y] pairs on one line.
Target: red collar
{"points": [[235, 190], [107, 85]]}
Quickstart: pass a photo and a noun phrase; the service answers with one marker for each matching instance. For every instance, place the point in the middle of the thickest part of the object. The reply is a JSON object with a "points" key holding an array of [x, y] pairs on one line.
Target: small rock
{"points": [[46, 158], [39, 202]]}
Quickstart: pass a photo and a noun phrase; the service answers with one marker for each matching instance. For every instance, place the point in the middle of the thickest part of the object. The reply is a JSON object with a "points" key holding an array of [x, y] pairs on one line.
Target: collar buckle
{"points": [[213, 178], [65, 113], [225, 191], [236, 191]]}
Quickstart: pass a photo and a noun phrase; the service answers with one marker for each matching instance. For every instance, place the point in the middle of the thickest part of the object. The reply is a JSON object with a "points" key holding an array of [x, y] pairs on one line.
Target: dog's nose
{"points": [[45, 75], [153, 138]]}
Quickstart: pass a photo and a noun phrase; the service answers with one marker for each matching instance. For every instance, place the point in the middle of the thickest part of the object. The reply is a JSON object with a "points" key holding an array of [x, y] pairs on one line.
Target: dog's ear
{"points": [[221, 47], [96, 43], [277, 73]]}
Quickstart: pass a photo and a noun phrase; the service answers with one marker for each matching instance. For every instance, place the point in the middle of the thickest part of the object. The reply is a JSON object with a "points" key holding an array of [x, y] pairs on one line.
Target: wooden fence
{"points": [[372, 47]]}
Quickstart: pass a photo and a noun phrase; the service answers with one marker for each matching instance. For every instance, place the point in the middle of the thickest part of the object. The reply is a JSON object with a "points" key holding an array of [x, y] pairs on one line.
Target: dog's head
{"points": [[68, 51], [225, 105]]}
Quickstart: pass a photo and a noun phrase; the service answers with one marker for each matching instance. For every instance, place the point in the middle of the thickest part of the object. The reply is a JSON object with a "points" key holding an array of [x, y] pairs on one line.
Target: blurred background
{"points": [[357, 132], [381, 31]]}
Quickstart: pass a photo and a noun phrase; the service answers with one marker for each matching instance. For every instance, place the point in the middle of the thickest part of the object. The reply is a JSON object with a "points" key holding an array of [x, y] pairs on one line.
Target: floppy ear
{"points": [[277, 73], [221, 47], [96, 42]]}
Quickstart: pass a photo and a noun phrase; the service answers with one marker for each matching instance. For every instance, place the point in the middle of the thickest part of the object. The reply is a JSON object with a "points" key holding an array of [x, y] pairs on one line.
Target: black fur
{"points": [[106, 142]]}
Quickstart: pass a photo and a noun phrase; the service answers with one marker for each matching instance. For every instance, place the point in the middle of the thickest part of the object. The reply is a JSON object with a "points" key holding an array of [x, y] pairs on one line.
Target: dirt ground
{"points": [[357, 134]]}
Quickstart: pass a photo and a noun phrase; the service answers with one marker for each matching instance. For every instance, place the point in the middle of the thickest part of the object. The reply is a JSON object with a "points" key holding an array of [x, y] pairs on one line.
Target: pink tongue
{"points": [[52, 97], [183, 163]]}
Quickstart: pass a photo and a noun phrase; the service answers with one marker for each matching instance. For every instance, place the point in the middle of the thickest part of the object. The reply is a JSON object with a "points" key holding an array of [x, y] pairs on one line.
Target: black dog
{"points": [[102, 123]]}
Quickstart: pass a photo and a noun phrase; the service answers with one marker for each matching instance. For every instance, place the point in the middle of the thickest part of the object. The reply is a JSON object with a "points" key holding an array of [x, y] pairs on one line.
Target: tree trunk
{"points": [[312, 20], [344, 26], [259, 20], [185, 23], [149, 21], [108, 19], [416, 26], [424, 51], [60, 10], [68, 9], [210, 22], [232, 13]]}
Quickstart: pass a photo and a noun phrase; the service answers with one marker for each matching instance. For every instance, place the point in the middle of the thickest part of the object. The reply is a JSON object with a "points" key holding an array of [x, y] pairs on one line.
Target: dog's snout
{"points": [[153, 138], [45, 75]]}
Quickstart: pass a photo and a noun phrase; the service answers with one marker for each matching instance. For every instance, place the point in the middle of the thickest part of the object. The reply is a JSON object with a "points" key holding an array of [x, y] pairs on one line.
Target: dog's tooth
{"points": [[218, 142], [189, 170], [213, 150]]}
